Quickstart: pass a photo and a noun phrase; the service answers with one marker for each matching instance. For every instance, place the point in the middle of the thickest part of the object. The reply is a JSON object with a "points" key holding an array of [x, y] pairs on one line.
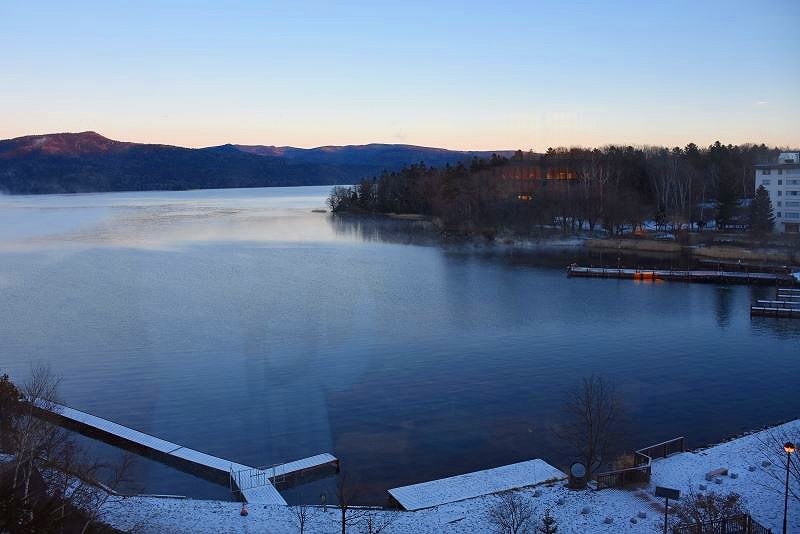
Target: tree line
{"points": [[616, 188]]}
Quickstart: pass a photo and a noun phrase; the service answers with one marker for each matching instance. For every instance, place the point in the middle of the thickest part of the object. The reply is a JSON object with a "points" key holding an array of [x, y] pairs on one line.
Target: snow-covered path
{"points": [[762, 489]]}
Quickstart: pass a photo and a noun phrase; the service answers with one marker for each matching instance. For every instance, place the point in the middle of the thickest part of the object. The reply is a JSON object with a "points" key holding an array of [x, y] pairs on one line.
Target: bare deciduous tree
{"points": [[377, 521], [303, 515], [511, 514], [770, 445], [53, 482], [347, 492], [591, 427], [705, 510]]}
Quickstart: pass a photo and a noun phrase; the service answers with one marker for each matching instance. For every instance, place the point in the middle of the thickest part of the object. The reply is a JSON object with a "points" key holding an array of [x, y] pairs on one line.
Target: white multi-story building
{"points": [[782, 181]]}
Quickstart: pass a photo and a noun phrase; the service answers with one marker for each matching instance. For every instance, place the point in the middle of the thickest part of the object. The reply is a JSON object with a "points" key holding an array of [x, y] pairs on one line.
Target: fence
{"points": [[662, 450], [735, 524], [642, 468]]}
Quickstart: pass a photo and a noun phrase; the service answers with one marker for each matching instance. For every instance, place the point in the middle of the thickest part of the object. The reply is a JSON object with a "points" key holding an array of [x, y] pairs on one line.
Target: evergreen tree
{"points": [[762, 219], [549, 525]]}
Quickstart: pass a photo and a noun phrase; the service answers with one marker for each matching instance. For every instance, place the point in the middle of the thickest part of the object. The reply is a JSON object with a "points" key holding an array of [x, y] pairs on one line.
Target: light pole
{"points": [[789, 448]]}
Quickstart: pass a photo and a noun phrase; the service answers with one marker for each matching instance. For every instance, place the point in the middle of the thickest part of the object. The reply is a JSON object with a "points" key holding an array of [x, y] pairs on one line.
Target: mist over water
{"points": [[242, 324]]}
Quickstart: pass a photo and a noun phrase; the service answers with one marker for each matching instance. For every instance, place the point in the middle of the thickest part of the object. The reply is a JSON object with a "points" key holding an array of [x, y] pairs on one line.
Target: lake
{"points": [[242, 324]]}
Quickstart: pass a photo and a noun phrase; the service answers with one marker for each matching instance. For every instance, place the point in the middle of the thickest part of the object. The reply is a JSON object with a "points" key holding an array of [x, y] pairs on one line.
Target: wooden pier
{"points": [[250, 484], [786, 305], [652, 275]]}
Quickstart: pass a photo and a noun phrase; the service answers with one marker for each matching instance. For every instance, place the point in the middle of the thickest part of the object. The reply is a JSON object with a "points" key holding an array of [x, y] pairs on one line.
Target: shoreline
{"points": [[750, 465], [704, 247]]}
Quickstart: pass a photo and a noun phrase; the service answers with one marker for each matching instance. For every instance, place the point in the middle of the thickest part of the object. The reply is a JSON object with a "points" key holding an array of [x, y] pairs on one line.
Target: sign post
{"points": [[667, 493]]}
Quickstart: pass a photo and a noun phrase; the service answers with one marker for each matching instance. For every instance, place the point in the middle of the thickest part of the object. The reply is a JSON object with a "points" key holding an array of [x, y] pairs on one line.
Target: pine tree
{"points": [[762, 219], [549, 525]]}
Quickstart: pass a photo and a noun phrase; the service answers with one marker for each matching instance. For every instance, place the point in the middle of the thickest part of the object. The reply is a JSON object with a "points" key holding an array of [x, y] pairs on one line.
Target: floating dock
{"points": [[251, 484], [786, 304], [726, 277], [467, 486]]}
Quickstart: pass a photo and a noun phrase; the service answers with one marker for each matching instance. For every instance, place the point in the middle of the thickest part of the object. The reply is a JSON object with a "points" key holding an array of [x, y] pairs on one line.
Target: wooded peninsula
{"points": [[615, 189]]}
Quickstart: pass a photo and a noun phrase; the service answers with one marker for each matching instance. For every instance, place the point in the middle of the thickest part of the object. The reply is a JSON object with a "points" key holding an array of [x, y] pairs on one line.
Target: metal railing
{"points": [[735, 524], [253, 478], [642, 468]]}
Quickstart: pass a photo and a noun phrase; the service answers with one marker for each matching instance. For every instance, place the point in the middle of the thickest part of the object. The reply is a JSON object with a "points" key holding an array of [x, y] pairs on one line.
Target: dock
{"points": [[786, 305], [249, 484], [707, 276], [470, 485]]}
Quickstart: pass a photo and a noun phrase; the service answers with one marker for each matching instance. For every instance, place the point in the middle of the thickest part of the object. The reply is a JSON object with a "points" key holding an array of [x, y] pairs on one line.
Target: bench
{"points": [[716, 472]]}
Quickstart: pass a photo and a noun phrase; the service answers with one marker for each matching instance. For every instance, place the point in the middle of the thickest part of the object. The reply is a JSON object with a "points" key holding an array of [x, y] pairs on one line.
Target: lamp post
{"points": [[789, 448]]}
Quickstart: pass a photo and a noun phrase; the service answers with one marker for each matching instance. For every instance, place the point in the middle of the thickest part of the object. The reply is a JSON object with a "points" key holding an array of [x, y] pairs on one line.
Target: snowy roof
{"points": [[467, 486]]}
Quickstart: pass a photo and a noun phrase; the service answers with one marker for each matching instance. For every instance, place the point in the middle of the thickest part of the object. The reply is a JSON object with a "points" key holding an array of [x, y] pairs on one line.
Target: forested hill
{"points": [[89, 162], [377, 156]]}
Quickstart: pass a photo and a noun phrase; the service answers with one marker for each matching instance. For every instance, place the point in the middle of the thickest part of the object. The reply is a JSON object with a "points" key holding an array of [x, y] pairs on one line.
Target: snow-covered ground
{"points": [[577, 512]]}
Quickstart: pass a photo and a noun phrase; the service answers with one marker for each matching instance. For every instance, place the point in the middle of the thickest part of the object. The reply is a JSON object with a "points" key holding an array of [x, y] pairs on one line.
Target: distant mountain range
{"points": [[89, 162]]}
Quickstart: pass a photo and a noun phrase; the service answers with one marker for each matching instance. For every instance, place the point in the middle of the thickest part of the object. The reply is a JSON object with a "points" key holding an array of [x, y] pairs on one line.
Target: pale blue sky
{"points": [[474, 75]]}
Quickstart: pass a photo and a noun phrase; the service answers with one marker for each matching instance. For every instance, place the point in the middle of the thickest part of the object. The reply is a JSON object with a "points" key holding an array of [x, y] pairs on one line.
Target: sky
{"points": [[463, 75]]}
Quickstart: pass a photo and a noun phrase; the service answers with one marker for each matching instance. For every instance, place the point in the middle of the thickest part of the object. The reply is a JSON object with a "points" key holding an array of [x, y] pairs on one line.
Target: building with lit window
{"points": [[782, 181]]}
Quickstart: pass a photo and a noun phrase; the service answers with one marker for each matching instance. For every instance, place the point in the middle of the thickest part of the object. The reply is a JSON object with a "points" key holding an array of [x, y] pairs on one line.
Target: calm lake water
{"points": [[240, 323]]}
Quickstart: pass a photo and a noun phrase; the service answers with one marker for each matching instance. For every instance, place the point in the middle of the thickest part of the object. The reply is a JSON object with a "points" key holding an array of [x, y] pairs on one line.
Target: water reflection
{"points": [[723, 305], [385, 229], [782, 328]]}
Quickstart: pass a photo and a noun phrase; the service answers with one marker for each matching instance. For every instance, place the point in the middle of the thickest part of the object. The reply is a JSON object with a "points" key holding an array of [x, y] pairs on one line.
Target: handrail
{"points": [[251, 478], [643, 467], [661, 444]]}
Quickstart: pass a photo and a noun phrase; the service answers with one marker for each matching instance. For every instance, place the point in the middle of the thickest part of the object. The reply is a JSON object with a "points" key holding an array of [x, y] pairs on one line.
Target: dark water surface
{"points": [[242, 324]]}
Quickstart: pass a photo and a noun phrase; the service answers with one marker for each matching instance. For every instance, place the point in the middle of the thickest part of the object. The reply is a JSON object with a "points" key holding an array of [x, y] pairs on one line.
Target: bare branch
{"points": [[511, 514]]}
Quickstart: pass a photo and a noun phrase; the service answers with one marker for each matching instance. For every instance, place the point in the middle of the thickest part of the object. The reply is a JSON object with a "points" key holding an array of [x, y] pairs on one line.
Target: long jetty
{"points": [[249, 484], [707, 276]]}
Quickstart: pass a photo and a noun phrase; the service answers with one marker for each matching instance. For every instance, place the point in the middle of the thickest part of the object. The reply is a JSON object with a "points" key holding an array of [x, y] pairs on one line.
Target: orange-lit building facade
{"points": [[522, 179]]}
